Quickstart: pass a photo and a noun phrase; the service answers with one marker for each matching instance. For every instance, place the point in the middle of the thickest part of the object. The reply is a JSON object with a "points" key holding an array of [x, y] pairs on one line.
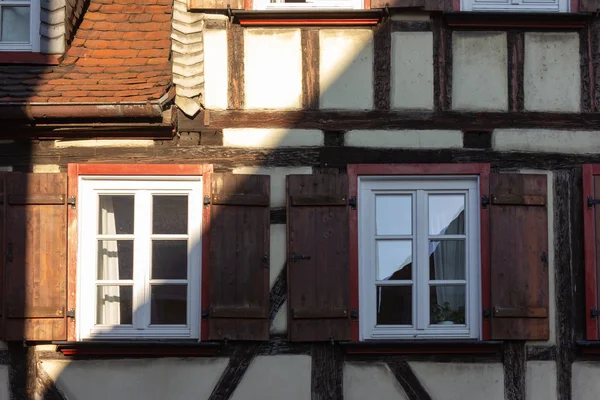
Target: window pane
{"points": [[115, 216], [447, 214], [393, 214], [114, 305], [394, 305], [447, 304], [447, 259], [169, 259], [15, 24], [169, 304], [394, 260], [115, 259], [170, 214]]}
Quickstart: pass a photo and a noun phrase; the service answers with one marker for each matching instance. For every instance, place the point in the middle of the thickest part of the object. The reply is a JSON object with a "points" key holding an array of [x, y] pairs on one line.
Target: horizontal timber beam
{"points": [[348, 120]]}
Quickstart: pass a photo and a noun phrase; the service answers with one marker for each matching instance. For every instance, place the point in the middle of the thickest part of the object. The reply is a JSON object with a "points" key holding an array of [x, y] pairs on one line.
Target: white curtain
{"points": [[108, 310]]}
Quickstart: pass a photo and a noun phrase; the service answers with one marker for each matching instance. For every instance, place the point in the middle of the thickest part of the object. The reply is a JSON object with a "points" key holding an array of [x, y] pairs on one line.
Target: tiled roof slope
{"points": [[120, 53]]}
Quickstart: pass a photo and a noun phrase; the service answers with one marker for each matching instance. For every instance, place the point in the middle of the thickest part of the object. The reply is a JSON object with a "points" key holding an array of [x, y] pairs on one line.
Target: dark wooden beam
{"points": [[515, 366], [235, 66], [411, 26], [382, 65], [278, 294], [327, 372], [516, 62], [541, 353], [240, 360], [594, 55], [310, 68], [587, 70], [442, 64], [373, 120], [408, 380]]}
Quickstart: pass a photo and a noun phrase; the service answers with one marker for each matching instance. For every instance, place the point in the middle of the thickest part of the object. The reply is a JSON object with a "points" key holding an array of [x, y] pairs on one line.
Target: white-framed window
{"points": [[308, 4], [139, 256], [515, 5], [419, 257], [20, 25]]}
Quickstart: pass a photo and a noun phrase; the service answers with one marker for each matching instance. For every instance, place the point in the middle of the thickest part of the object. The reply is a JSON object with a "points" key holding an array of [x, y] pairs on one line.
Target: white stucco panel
{"points": [[585, 382], [215, 69], [277, 175], [460, 381], [552, 72], [276, 378], [412, 70], [545, 140], [279, 325], [346, 69], [148, 379], [371, 381], [272, 68], [277, 250], [479, 72], [541, 380], [270, 138], [424, 139]]}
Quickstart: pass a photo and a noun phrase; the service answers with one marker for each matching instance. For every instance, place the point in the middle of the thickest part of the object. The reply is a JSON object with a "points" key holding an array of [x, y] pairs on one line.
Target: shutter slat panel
{"points": [[519, 265], [35, 246], [318, 286], [239, 262]]}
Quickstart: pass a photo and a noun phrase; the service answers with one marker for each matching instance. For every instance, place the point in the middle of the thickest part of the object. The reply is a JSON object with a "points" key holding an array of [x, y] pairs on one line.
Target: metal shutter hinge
{"points": [[205, 312], [354, 314], [206, 201], [591, 202], [485, 201], [72, 201], [487, 313], [594, 313], [352, 202], [71, 313]]}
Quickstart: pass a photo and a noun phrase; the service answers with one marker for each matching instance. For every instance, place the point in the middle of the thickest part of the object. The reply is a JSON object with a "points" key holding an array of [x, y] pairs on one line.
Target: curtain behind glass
{"points": [[108, 304]]}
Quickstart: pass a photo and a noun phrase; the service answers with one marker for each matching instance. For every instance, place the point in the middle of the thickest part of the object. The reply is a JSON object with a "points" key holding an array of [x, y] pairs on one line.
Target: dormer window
{"points": [[19, 25]]}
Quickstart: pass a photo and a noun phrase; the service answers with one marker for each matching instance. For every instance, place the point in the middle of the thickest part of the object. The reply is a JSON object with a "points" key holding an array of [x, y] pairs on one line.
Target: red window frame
{"points": [[590, 253], [74, 171], [481, 170]]}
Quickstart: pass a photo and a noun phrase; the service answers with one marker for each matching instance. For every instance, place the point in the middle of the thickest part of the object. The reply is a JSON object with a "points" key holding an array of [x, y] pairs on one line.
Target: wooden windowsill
{"points": [[423, 347], [182, 348], [308, 17], [23, 57], [486, 20]]}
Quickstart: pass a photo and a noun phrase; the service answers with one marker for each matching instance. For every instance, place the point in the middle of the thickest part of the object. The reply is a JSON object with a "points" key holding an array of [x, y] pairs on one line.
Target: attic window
{"points": [[19, 25]]}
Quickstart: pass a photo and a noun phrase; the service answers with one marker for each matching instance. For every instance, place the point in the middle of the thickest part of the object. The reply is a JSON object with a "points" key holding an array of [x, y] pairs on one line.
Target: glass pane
{"points": [[169, 259], [447, 304], [394, 260], [168, 304], [170, 214], [115, 259], [115, 216], [447, 214], [394, 305], [114, 305], [15, 24], [393, 214], [447, 259]]}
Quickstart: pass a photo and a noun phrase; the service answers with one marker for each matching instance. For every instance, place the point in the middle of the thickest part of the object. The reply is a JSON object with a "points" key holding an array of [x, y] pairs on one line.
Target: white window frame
{"points": [[142, 187], [418, 186], [515, 5], [310, 4], [33, 45]]}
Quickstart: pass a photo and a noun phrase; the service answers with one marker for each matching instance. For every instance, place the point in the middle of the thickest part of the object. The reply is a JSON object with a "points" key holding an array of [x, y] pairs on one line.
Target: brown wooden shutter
{"points": [[318, 269], [589, 6], [239, 257], [35, 251], [519, 256], [215, 4]]}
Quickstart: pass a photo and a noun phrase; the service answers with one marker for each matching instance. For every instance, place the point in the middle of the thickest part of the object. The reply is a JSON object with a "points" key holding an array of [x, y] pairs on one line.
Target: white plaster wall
{"points": [[479, 71], [585, 383], [346, 69], [276, 378], [541, 380], [412, 70], [272, 68], [279, 325], [270, 138], [215, 69], [546, 140], [425, 139], [149, 379], [371, 381], [460, 381], [551, 72]]}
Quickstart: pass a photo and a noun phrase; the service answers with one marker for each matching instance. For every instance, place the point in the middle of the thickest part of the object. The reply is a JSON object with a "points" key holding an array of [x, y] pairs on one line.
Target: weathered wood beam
{"points": [[587, 70], [240, 360], [515, 367], [516, 62], [382, 66], [310, 68], [327, 371], [408, 380], [373, 120], [235, 70], [411, 26]]}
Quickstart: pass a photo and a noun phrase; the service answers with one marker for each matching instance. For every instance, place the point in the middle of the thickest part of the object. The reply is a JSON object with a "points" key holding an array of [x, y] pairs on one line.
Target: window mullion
{"points": [[141, 259], [421, 261]]}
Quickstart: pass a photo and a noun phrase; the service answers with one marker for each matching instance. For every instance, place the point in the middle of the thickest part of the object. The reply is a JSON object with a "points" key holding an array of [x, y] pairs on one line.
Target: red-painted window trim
{"points": [[589, 247], [74, 171], [482, 170], [23, 57]]}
